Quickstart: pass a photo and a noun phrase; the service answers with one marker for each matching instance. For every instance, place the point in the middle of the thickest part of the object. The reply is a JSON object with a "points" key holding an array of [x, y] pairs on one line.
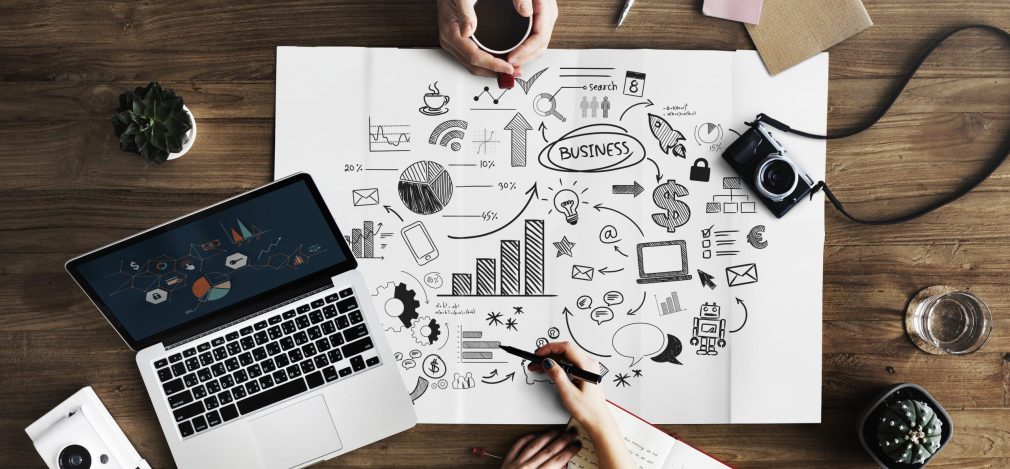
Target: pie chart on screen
{"points": [[425, 187], [212, 286]]}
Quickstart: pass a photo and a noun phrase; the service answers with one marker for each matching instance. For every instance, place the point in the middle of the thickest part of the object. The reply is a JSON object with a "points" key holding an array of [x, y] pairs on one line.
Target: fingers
{"points": [[475, 60], [466, 17], [524, 7], [560, 460], [537, 444], [518, 446], [543, 26], [556, 446], [566, 389], [572, 354]]}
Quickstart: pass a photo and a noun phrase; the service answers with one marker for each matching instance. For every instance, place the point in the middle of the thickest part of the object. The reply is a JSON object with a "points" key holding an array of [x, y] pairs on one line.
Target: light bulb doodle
{"points": [[567, 202]]}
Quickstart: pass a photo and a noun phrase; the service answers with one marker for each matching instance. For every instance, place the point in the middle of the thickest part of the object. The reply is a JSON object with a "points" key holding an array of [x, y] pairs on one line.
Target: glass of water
{"points": [[944, 320]]}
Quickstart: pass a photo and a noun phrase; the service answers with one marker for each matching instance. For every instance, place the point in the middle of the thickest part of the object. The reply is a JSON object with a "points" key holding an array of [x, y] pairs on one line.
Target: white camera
{"points": [[80, 434]]}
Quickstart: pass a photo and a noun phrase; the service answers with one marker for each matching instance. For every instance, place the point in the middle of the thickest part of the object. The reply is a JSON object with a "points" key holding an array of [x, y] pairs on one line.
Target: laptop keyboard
{"points": [[279, 356]]}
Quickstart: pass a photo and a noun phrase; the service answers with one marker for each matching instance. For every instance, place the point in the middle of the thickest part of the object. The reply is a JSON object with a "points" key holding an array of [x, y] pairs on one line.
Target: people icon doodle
{"points": [[463, 382]]}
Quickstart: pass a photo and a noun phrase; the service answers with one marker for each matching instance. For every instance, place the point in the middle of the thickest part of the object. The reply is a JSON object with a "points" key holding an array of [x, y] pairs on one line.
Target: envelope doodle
{"points": [[744, 274], [365, 197]]}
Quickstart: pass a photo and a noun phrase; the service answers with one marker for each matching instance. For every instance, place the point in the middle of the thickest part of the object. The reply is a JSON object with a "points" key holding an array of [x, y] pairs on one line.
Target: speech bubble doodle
{"points": [[433, 279], [671, 352], [553, 333], [584, 302], [415, 353], [408, 364], [601, 315], [593, 148], [398, 356], [613, 298], [609, 235], [638, 340]]}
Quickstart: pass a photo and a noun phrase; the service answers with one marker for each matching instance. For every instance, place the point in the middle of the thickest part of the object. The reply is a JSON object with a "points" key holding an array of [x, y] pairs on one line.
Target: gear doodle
{"points": [[398, 302], [426, 331]]}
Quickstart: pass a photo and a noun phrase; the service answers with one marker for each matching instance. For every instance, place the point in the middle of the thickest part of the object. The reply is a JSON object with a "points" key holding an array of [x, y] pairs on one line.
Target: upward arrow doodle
{"points": [[518, 127]]}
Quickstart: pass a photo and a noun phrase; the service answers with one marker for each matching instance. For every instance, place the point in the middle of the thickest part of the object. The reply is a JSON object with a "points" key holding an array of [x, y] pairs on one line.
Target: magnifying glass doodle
{"points": [[545, 105]]}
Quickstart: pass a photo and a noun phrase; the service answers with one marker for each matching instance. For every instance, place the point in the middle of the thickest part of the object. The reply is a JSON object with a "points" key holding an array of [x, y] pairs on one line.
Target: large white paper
{"points": [[431, 179]]}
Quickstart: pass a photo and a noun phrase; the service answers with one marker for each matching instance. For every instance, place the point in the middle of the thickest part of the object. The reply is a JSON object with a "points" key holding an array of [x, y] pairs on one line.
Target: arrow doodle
{"points": [[633, 189], [543, 132], [745, 314], [518, 127], [618, 249], [509, 377], [567, 324], [642, 303], [604, 270], [647, 103], [492, 374], [599, 207], [659, 174], [532, 191], [390, 210]]}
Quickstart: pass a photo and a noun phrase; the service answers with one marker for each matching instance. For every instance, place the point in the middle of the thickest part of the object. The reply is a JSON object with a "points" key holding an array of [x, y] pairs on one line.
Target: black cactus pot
{"points": [[868, 418]]}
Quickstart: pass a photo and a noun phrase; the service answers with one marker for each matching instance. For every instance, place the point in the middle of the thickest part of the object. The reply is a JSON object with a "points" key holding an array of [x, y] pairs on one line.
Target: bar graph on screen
{"points": [[506, 275]]}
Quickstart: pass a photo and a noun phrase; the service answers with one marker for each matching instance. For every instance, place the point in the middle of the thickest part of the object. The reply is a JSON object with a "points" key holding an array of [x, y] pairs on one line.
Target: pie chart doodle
{"points": [[425, 187], [708, 133], [212, 286]]}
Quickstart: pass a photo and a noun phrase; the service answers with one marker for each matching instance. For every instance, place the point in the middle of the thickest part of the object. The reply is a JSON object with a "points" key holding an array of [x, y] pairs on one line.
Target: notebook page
{"points": [[649, 446]]}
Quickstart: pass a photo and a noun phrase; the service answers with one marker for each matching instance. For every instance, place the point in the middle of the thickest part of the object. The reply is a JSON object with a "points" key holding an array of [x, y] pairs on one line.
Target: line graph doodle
{"points": [[487, 142], [387, 137]]}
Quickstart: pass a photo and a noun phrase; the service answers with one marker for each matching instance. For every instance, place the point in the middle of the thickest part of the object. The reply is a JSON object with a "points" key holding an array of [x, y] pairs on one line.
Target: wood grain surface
{"points": [[65, 188]]}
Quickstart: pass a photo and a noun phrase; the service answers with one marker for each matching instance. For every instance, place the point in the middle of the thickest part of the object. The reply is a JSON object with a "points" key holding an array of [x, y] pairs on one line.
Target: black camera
{"points": [[764, 164]]}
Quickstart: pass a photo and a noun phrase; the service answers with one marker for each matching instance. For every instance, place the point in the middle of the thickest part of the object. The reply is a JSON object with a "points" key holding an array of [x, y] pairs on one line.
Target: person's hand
{"points": [[456, 23], [585, 401], [545, 13], [551, 450]]}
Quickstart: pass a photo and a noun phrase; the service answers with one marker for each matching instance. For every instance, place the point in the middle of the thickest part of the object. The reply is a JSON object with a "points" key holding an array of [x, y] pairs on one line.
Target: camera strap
{"points": [[1001, 155]]}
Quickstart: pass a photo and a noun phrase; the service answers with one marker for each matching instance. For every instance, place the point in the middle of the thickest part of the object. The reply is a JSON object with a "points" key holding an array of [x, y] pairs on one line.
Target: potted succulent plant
{"points": [[904, 427], [154, 123]]}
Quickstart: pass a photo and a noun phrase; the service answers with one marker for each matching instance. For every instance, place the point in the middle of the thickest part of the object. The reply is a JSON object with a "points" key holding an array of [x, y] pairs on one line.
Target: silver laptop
{"points": [[256, 337]]}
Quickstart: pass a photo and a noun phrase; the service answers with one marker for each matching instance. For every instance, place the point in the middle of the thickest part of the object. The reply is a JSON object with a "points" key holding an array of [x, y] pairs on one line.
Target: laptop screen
{"points": [[217, 258], [665, 257]]}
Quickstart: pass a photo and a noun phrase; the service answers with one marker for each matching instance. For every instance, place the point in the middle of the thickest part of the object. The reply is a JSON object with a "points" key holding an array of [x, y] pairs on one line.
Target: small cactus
{"points": [[909, 431]]}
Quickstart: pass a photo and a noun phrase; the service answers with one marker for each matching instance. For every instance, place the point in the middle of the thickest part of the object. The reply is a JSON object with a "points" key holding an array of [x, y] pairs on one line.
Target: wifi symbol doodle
{"points": [[449, 133]]}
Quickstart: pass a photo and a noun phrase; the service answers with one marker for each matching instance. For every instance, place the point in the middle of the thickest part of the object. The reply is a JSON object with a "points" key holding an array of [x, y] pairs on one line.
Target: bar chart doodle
{"points": [[483, 280]]}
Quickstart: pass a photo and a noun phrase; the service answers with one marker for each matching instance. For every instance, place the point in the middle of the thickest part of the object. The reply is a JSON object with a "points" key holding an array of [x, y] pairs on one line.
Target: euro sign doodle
{"points": [[677, 212]]}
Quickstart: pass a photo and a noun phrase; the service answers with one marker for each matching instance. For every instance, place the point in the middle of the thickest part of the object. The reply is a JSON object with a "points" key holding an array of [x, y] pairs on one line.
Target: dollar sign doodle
{"points": [[433, 366], [134, 265], [677, 212]]}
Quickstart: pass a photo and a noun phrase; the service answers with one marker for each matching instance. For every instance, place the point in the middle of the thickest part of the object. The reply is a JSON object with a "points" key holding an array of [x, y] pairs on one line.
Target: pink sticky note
{"points": [[744, 11]]}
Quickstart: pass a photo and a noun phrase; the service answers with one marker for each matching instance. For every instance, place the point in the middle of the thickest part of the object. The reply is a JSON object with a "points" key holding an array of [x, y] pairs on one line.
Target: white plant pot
{"points": [[191, 136]]}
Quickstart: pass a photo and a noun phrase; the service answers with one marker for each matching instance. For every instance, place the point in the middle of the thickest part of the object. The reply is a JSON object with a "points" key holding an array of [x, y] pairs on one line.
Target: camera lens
{"points": [[776, 178], [75, 457]]}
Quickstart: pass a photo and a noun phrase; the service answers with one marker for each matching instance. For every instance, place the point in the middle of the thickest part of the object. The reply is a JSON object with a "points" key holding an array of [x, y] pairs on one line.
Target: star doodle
{"points": [[512, 324], [564, 247], [517, 310], [621, 379], [636, 373], [493, 319]]}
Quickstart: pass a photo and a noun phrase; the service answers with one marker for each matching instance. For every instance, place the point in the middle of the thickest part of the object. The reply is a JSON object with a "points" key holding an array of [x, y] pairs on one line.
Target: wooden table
{"points": [[66, 189]]}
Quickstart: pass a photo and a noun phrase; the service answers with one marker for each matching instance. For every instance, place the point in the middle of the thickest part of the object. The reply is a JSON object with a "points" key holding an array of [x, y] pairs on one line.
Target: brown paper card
{"points": [[792, 31]]}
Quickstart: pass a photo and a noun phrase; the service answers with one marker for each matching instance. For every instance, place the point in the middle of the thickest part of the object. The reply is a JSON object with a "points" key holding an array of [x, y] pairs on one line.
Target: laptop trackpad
{"points": [[296, 434]]}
